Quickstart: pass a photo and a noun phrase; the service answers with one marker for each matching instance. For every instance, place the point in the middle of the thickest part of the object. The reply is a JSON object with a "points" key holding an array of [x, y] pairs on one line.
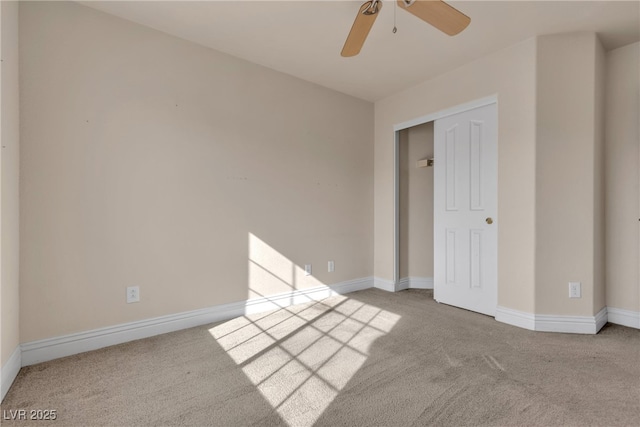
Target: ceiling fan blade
{"points": [[444, 17], [360, 30]]}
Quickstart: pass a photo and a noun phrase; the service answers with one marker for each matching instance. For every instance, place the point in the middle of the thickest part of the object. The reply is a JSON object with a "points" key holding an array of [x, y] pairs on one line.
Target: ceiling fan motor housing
{"points": [[374, 7]]}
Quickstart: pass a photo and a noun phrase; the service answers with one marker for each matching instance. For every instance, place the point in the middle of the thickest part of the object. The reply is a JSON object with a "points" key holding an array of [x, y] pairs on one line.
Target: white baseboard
{"points": [[517, 318], [572, 324], [274, 302], [384, 284], [54, 348], [9, 372], [553, 323], [601, 319], [624, 317], [415, 283]]}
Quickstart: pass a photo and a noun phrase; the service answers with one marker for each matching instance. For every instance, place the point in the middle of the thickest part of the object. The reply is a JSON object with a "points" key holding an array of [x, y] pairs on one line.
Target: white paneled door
{"points": [[465, 210]]}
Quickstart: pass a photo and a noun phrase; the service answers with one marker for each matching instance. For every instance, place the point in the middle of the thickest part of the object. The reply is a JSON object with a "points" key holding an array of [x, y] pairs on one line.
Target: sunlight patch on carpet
{"points": [[301, 357]]}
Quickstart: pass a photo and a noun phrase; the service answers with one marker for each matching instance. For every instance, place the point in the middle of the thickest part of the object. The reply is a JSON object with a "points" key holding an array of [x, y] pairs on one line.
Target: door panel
{"points": [[451, 181], [465, 210]]}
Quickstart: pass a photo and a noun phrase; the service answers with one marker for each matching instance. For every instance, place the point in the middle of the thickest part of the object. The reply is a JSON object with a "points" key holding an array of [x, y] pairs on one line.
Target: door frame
{"points": [[493, 99]]}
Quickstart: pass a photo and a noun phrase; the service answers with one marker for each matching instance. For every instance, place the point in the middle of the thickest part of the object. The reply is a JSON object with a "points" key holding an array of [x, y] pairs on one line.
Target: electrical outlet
{"points": [[133, 294], [331, 267], [575, 290], [307, 269]]}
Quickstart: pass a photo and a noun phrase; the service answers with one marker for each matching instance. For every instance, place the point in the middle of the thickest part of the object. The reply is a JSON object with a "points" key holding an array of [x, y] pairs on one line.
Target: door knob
{"points": [[489, 220]]}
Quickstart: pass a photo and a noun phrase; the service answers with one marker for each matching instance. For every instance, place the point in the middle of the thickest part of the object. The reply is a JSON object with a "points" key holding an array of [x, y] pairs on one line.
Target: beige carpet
{"points": [[369, 358]]}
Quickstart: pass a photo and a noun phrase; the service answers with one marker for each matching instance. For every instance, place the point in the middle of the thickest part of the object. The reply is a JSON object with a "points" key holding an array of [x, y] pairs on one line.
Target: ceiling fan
{"points": [[435, 12]]}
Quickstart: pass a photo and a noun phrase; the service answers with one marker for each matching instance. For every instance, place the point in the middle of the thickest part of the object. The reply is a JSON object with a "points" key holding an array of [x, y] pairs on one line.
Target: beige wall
{"points": [[621, 168], [201, 178], [599, 253], [550, 140], [9, 125], [416, 202], [509, 73], [204, 179], [568, 174]]}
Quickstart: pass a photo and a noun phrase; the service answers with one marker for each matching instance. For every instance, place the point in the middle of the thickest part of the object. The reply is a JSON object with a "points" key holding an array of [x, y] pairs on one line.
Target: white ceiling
{"points": [[304, 38]]}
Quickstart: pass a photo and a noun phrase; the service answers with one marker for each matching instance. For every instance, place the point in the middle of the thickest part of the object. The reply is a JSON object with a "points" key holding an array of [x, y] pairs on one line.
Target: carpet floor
{"points": [[369, 358]]}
